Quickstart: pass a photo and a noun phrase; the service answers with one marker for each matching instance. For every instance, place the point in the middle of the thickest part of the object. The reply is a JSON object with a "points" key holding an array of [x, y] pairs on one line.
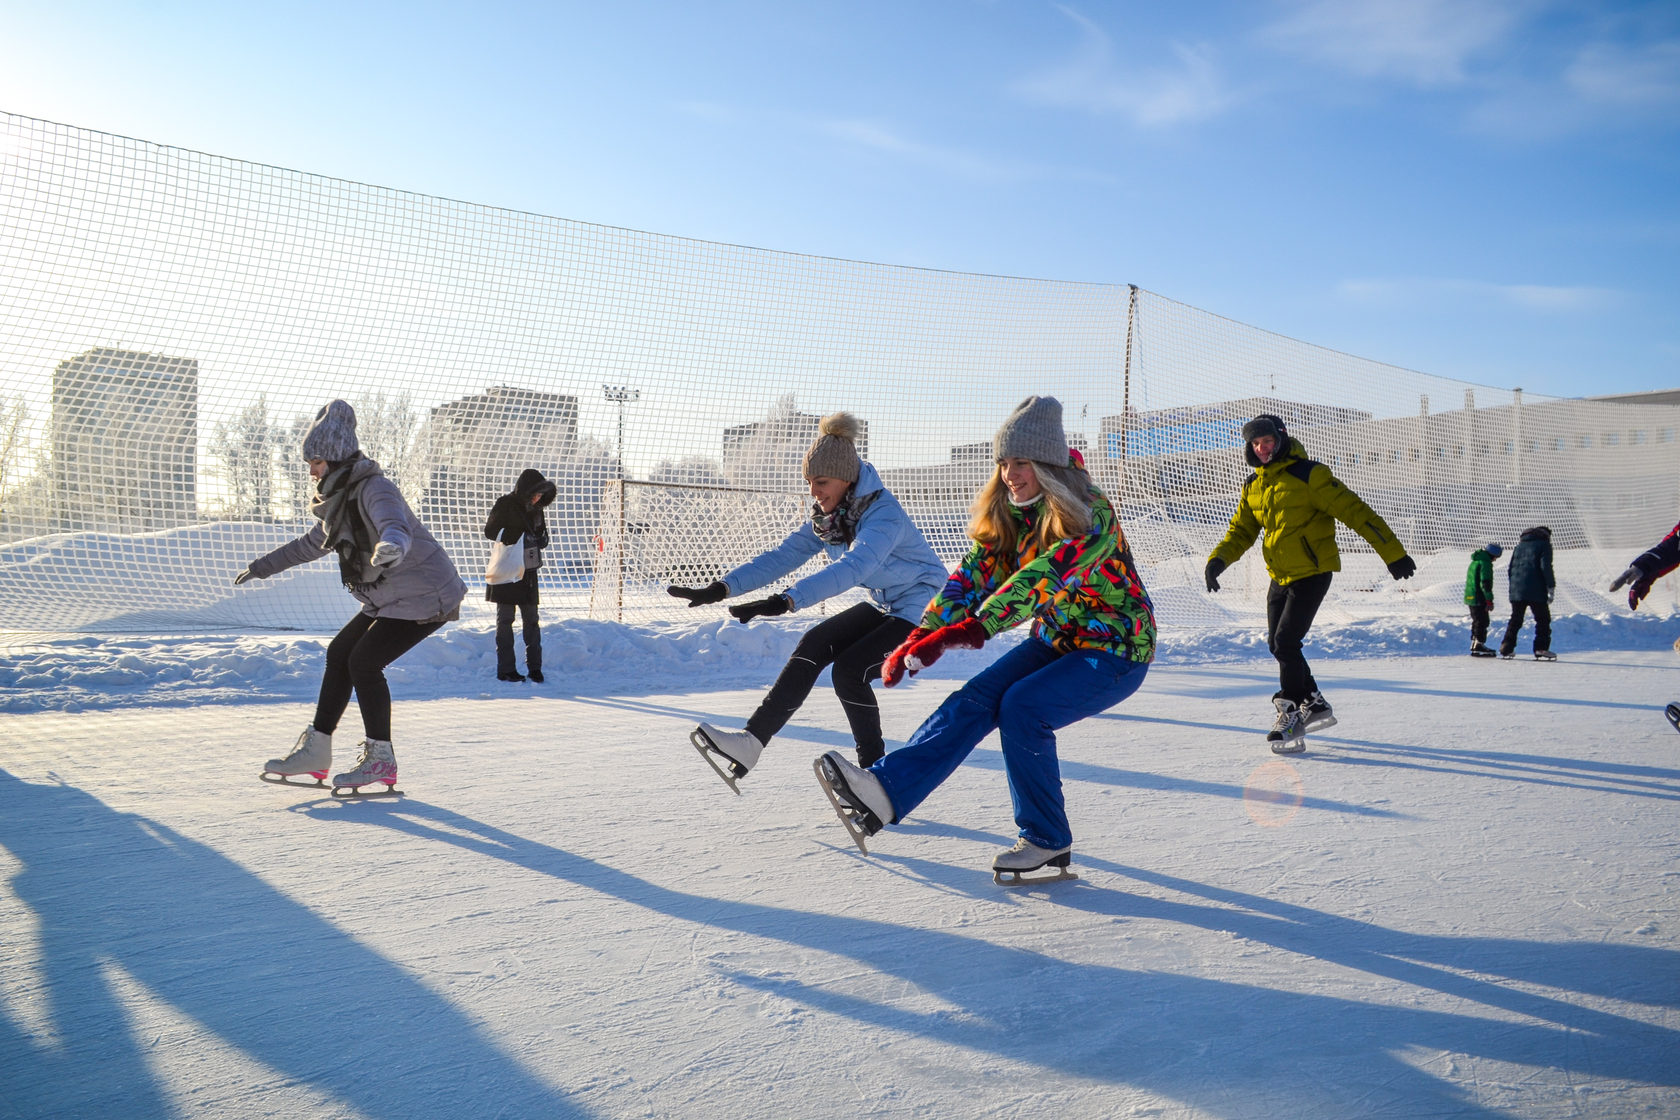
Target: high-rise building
{"points": [[124, 442]]}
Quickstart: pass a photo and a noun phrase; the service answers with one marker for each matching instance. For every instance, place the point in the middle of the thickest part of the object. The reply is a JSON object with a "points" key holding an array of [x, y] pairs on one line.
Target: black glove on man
{"points": [[1403, 568], [1215, 566], [776, 604], [700, 596]]}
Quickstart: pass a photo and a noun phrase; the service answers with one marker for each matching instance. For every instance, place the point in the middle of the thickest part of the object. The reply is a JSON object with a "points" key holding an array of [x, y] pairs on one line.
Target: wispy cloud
{"points": [[1428, 43], [1425, 291], [1096, 80], [1639, 76]]}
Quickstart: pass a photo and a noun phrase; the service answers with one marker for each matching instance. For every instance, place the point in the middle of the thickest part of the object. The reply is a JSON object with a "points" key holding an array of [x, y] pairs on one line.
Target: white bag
{"points": [[507, 562]]}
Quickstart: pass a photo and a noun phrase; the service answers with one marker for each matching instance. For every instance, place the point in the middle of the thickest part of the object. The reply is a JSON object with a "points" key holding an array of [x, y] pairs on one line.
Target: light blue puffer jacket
{"points": [[888, 557]]}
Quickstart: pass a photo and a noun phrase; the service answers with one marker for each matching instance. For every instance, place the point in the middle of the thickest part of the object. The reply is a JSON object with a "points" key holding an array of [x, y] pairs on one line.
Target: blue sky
{"points": [[1483, 189]]}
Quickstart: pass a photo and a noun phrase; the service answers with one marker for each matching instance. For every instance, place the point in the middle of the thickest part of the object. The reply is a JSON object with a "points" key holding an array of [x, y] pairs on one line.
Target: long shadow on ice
{"points": [[221, 947], [1225, 1048], [1557, 771]]}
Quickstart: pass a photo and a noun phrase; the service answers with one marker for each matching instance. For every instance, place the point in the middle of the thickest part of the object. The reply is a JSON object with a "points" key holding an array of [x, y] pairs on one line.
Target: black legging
{"points": [[356, 660], [1290, 609], [855, 641], [1542, 625]]}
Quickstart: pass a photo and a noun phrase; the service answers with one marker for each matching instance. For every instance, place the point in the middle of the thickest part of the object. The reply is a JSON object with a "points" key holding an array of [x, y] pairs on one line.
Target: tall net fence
{"points": [[170, 321]]}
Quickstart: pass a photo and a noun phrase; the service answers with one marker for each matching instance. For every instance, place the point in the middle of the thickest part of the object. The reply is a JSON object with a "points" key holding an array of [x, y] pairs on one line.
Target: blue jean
{"points": [[1026, 695]]}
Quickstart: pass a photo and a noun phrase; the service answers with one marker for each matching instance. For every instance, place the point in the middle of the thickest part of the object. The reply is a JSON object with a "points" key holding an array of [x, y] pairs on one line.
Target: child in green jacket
{"points": [[1478, 596]]}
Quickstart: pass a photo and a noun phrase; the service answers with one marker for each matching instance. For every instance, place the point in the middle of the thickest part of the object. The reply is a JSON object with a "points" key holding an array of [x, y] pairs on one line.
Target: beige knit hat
{"points": [[833, 453]]}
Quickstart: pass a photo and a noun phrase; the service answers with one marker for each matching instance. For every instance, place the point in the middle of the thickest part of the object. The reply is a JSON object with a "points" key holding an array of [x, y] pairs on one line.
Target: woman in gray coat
{"points": [[395, 568]]}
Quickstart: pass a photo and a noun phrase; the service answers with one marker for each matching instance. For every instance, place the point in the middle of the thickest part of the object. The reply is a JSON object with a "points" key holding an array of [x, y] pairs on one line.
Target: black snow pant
{"points": [[530, 630], [1542, 626], [1480, 617], [1290, 609], [856, 641], [356, 660]]}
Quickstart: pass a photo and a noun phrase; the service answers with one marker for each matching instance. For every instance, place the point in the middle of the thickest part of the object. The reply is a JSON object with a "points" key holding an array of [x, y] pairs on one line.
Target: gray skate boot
{"points": [[378, 763], [311, 756], [738, 750], [857, 795], [1316, 713], [1288, 733], [1027, 856]]}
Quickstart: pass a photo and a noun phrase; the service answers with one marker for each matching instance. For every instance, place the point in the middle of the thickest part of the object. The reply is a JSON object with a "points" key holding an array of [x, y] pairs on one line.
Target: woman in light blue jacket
{"points": [[874, 545]]}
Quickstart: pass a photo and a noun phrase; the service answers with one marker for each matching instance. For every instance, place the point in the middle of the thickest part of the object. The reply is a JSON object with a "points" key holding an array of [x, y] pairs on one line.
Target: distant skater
{"points": [[1291, 504], [872, 544], [519, 516], [1478, 596], [1047, 547], [1532, 586], [391, 564]]}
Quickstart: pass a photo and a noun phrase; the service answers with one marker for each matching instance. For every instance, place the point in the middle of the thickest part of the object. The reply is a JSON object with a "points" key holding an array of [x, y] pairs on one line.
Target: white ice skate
{"points": [[1316, 713], [857, 796], [378, 763], [1289, 730], [739, 751], [1026, 856], [312, 756]]}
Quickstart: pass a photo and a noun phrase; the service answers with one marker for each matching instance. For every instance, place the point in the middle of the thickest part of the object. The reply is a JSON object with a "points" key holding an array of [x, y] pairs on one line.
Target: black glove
{"points": [[776, 604], [700, 596], [246, 574], [1403, 568], [1215, 566]]}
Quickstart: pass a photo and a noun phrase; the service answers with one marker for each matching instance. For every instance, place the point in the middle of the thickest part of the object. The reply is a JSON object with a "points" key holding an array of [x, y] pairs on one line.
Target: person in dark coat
{"points": [[515, 515], [1532, 587]]}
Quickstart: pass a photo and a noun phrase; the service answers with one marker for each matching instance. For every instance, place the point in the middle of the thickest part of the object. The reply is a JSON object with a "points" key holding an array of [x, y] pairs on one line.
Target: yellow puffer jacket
{"points": [[1296, 503]]}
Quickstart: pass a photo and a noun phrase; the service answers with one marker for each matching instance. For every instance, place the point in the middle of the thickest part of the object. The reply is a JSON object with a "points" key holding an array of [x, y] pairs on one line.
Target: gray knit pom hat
{"points": [[333, 434], [833, 454], [1033, 431]]}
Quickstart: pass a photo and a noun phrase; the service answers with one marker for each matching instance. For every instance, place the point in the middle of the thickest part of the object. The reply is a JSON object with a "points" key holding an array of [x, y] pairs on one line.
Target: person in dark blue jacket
{"points": [[1532, 587], [873, 544], [1648, 567]]}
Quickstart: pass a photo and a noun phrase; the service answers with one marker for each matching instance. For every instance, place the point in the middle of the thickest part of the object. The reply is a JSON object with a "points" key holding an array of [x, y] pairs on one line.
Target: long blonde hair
{"points": [[1067, 494]]}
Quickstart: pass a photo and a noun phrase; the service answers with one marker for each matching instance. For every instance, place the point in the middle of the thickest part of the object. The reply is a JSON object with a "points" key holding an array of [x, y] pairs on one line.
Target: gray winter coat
{"points": [[423, 586], [888, 557]]}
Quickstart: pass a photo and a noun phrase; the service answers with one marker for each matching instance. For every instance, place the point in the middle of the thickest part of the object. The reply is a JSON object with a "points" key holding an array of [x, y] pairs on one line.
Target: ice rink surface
{"points": [[1464, 900]]}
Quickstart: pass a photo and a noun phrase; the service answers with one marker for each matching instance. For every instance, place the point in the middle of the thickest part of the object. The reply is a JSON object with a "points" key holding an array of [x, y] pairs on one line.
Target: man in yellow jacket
{"points": [[1295, 503]]}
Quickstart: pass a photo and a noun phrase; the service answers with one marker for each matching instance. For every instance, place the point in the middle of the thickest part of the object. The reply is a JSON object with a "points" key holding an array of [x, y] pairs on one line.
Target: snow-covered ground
{"points": [[1464, 900]]}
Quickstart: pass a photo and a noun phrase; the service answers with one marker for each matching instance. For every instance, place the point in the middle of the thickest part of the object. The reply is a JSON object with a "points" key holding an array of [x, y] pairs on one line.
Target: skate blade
{"points": [[351, 793], [841, 808], [1019, 878], [274, 779], [1320, 725], [1290, 746], [707, 752], [1673, 714]]}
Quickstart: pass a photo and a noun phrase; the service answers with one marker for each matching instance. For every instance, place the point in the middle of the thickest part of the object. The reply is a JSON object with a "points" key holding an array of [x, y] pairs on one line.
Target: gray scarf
{"points": [[337, 505]]}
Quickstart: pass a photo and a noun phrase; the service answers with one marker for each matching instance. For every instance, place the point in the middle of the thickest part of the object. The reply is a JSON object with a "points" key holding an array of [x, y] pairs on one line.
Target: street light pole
{"points": [[620, 395]]}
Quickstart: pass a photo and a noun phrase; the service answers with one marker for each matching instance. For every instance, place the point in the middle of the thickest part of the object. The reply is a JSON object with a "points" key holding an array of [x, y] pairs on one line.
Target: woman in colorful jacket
{"points": [[1047, 547], [393, 566], [1292, 504], [871, 543], [1478, 596]]}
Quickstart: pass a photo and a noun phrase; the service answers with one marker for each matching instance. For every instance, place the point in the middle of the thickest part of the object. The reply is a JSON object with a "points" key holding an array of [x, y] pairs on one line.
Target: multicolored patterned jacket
{"points": [[1083, 593]]}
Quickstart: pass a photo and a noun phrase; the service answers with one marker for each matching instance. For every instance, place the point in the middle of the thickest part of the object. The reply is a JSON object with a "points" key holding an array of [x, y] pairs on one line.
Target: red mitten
{"points": [[967, 634], [892, 669]]}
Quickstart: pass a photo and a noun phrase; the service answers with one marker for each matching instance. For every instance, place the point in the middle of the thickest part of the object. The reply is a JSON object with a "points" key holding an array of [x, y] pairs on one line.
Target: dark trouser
{"points": [[504, 637], [1290, 609], [1542, 625], [356, 660], [1480, 616], [855, 641]]}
